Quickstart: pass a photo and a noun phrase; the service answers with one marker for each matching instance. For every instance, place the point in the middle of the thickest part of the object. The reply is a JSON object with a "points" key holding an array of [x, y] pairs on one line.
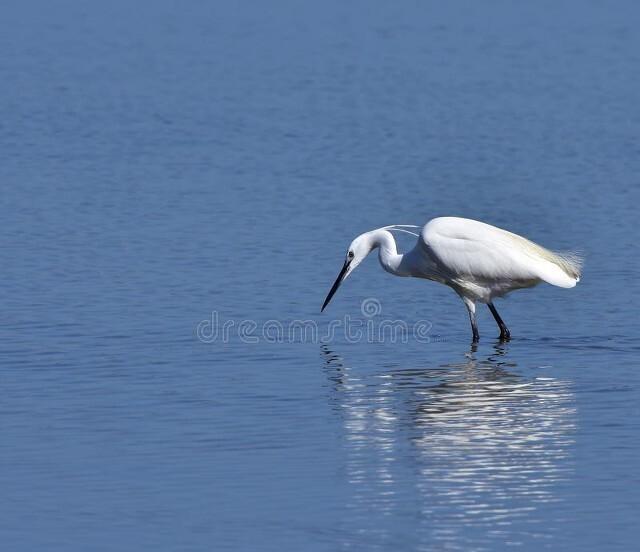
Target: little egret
{"points": [[477, 260]]}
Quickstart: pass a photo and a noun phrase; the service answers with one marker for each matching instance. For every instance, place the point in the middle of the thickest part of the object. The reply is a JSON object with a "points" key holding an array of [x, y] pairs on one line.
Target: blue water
{"points": [[165, 163]]}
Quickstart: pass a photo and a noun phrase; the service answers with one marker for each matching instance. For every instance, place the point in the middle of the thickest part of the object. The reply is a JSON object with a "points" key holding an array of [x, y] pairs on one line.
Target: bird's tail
{"points": [[559, 268], [570, 262], [562, 269]]}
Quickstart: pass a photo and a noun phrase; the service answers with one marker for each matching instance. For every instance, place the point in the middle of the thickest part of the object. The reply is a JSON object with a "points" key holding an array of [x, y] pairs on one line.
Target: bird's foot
{"points": [[505, 335]]}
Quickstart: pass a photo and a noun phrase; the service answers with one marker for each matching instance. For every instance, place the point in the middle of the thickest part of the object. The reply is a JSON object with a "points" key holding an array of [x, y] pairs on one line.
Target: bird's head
{"points": [[356, 253]]}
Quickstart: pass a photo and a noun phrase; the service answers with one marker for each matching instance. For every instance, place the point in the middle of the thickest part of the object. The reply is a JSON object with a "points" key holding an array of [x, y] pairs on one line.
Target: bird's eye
{"points": [[350, 255]]}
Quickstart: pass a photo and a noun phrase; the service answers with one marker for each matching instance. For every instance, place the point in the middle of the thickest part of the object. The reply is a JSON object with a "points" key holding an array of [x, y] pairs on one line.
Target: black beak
{"points": [[336, 284]]}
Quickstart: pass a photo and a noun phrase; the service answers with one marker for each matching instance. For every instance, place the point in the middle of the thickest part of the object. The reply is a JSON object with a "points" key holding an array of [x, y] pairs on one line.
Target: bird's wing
{"points": [[465, 248]]}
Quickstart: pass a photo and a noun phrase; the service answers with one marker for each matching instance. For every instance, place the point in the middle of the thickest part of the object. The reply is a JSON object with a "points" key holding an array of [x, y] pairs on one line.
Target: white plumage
{"points": [[477, 260], [476, 253]]}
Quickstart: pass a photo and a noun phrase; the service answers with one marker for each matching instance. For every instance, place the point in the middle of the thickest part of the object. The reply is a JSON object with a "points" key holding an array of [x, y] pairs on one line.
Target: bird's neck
{"points": [[390, 259]]}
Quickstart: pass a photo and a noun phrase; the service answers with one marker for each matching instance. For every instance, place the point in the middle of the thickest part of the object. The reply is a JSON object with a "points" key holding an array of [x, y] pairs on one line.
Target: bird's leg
{"points": [[471, 307], [505, 334]]}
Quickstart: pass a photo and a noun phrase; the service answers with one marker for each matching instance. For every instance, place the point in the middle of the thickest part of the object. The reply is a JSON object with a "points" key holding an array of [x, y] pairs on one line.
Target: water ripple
{"points": [[487, 447]]}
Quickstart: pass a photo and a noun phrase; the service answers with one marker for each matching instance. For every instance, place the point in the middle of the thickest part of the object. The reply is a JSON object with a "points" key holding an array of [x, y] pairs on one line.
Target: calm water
{"points": [[164, 164]]}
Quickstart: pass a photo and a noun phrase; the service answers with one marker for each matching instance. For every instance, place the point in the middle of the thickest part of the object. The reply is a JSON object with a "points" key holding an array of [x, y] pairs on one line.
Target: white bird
{"points": [[478, 261]]}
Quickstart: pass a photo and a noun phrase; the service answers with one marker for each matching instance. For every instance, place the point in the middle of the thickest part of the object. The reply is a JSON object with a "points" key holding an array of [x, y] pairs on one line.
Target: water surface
{"points": [[161, 163]]}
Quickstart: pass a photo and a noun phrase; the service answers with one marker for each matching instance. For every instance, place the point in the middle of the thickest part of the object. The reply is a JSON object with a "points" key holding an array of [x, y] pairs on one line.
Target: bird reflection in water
{"points": [[456, 448]]}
